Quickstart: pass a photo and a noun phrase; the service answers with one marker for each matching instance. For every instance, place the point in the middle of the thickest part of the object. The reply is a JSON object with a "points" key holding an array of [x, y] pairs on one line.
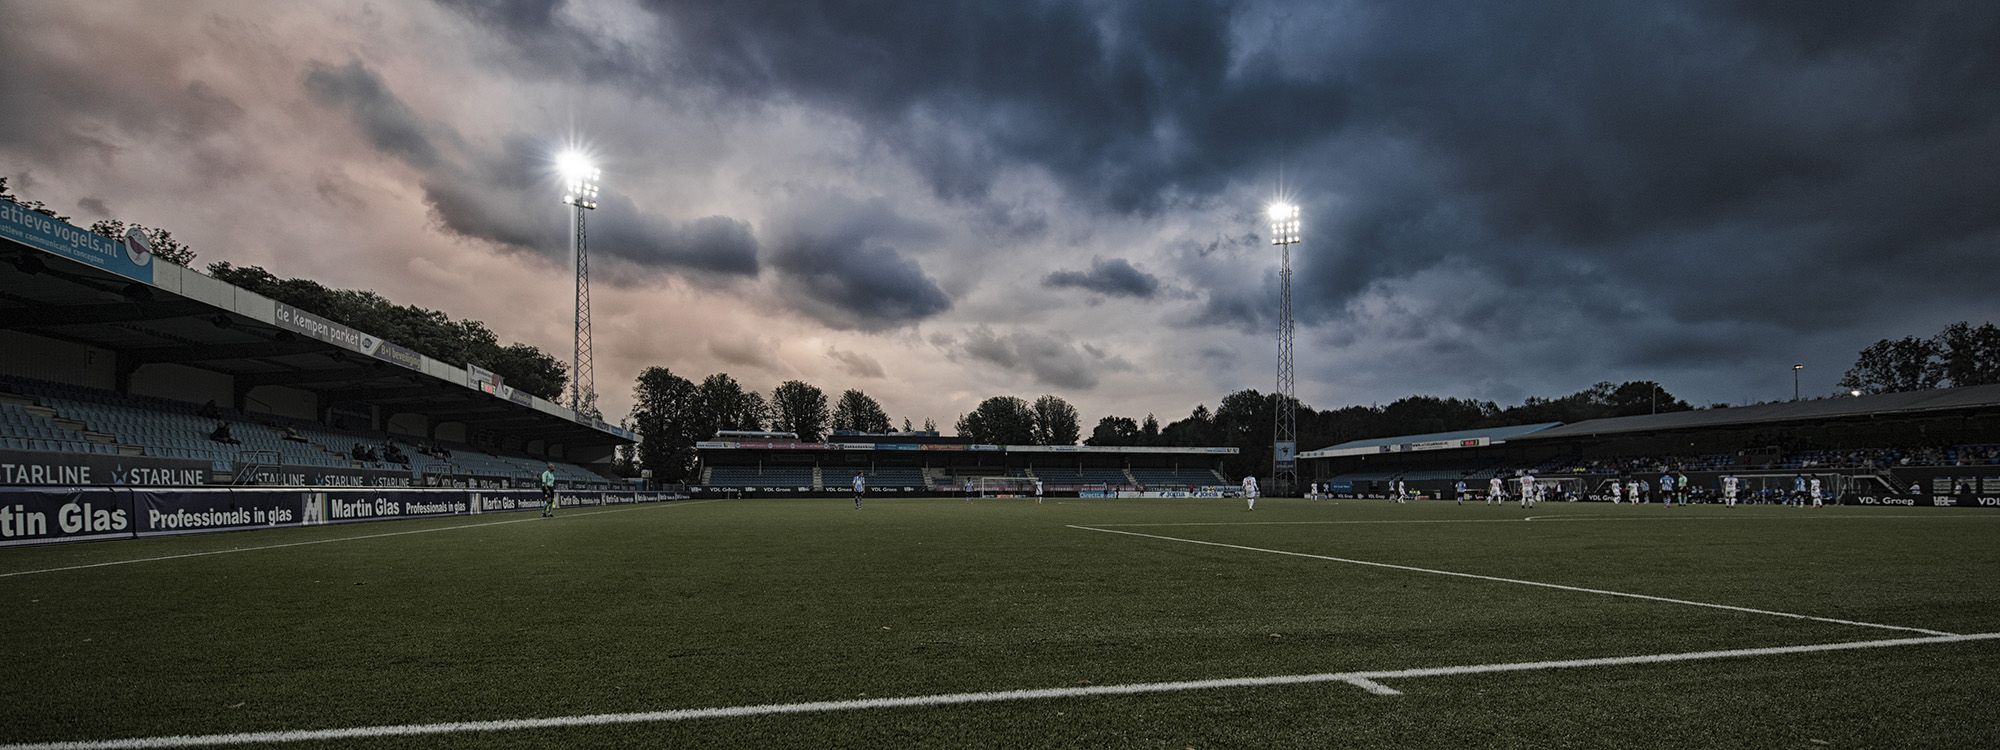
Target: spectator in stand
{"points": [[221, 434], [293, 435]]}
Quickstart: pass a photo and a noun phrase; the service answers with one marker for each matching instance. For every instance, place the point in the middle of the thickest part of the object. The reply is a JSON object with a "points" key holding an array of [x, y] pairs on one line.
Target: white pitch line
{"points": [[1364, 680], [1581, 589], [1511, 521], [233, 550]]}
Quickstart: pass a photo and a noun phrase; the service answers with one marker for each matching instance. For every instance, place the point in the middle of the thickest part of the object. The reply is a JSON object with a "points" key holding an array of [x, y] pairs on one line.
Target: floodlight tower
{"points": [[1285, 434], [580, 194]]}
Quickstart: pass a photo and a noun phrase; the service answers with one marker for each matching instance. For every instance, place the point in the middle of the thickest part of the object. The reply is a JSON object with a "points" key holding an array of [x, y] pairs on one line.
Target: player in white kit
{"points": [[1496, 491], [1528, 490], [1617, 492], [1632, 492], [1729, 490], [1250, 491], [1818, 497]]}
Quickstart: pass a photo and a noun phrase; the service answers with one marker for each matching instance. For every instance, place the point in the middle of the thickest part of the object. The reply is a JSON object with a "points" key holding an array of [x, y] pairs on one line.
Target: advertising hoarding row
{"points": [[40, 515]]}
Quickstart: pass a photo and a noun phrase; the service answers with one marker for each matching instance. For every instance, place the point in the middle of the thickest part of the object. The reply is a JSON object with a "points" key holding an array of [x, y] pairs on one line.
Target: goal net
{"points": [[1005, 486]]}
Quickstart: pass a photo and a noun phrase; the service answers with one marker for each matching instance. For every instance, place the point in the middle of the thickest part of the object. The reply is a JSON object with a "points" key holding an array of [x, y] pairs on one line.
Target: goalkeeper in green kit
{"points": [[549, 491]]}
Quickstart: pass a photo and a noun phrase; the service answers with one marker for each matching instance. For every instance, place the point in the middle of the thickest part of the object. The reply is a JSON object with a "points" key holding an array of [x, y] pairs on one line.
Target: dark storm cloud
{"points": [[93, 206], [841, 261], [503, 194], [1129, 108], [847, 282], [1046, 358], [1116, 277], [384, 119], [857, 364]]}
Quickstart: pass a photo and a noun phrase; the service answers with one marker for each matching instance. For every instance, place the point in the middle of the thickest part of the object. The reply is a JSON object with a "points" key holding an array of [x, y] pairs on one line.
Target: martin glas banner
{"points": [[578, 499], [502, 501], [36, 515], [348, 506], [194, 511]]}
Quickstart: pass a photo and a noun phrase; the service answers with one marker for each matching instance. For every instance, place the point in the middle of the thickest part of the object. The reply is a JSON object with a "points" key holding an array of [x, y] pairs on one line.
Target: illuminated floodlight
{"points": [[1855, 393], [579, 179], [1284, 223]]}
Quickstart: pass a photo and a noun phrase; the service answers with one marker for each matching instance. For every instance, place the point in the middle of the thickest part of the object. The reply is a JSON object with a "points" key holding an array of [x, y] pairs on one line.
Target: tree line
{"points": [[1245, 420], [671, 413], [1962, 354]]}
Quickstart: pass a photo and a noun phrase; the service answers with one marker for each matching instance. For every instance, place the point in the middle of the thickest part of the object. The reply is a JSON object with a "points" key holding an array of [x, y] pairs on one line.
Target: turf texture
{"points": [[733, 603]]}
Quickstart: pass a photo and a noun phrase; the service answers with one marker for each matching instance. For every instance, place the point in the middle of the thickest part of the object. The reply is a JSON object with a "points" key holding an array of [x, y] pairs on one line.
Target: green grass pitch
{"points": [[744, 603]]}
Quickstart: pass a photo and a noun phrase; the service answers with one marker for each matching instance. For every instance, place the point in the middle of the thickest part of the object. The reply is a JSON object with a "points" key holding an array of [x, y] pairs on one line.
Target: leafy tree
{"points": [[930, 425], [666, 411], [1000, 420], [1055, 422], [1641, 397], [1198, 429], [906, 425], [1114, 430], [1244, 421], [1906, 364], [165, 247], [1970, 356], [726, 406], [756, 412], [1149, 431], [800, 408], [431, 332], [859, 412]]}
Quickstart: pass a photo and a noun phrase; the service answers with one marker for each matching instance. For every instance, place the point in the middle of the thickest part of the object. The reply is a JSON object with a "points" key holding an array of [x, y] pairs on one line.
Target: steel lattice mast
{"points": [[581, 196], [1285, 433]]}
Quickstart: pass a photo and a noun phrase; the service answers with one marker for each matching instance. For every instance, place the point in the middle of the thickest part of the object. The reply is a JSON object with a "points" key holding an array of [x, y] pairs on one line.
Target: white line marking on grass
{"points": [[1434, 571], [1370, 685], [346, 539], [1363, 680], [1927, 516]]}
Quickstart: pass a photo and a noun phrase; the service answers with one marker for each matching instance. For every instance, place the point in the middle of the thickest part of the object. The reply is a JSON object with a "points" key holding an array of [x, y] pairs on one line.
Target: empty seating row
{"points": [[40, 416]]}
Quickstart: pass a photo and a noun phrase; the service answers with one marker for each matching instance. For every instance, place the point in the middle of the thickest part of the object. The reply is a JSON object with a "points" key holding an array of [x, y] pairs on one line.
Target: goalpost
{"points": [[1005, 486]]}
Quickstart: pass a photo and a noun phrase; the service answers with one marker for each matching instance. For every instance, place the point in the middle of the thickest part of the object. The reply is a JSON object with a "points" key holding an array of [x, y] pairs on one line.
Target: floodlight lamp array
{"points": [[582, 190], [1284, 224]]}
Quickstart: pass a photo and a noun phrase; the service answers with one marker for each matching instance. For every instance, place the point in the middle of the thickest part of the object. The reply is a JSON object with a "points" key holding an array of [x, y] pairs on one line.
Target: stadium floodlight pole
{"points": [[1795, 380], [1285, 433], [580, 194]]}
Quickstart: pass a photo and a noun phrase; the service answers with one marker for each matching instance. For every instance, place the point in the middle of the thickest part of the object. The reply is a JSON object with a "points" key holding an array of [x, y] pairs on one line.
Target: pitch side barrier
{"points": [[45, 515], [1937, 486]]}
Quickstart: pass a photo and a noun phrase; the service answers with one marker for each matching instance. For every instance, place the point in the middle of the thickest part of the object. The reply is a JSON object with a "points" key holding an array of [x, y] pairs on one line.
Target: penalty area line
{"points": [[1498, 579], [1368, 681], [233, 550]]}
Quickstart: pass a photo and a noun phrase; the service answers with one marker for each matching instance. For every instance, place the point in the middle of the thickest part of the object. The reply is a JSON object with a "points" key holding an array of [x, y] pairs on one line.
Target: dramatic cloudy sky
{"points": [[939, 201]]}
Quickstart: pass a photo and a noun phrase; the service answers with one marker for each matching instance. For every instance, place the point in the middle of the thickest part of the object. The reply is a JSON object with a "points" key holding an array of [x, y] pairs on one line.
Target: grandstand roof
{"points": [[1430, 441], [959, 447], [1843, 407], [61, 282]]}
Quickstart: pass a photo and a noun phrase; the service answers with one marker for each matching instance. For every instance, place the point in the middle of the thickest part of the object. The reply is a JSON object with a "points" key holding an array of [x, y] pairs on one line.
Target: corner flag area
{"points": [[926, 622]]}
